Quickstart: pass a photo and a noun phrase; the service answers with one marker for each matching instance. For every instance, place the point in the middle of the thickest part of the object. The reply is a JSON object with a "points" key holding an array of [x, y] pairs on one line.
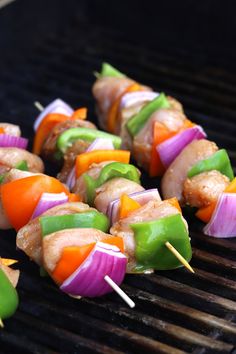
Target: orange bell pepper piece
{"points": [[80, 113], [72, 197], [72, 257], [20, 197], [160, 134], [45, 127], [174, 202], [113, 111], [127, 205], [2, 131], [83, 161], [231, 188]]}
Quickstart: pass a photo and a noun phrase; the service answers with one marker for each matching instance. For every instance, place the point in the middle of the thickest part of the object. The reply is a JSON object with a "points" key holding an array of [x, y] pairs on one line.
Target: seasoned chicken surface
{"points": [[54, 244], [106, 90], [79, 147], [112, 190], [29, 237], [11, 156], [204, 189], [11, 129], [176, 174], [50, 144], [94, 172], [153, 210]]}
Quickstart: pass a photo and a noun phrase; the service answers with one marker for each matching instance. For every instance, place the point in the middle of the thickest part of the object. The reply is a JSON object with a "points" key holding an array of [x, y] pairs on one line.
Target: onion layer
{"points": [[71, 179], [142, 198], [56, 106], [13, 141], [223, 220], [171, 148], [132, 98], [88, 279], [101, 144], [48, 201]]}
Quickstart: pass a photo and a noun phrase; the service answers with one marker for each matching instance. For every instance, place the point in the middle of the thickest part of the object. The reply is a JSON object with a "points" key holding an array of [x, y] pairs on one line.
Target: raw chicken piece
{"points": [[29, 237], [11, 129], [54, 244], [112, 190], [11, 156], [176, 174], [204, 189]]}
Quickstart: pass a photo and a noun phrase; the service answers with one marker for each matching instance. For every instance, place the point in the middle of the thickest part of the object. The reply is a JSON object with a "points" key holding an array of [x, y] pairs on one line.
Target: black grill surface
{"points": [[176, 312]]}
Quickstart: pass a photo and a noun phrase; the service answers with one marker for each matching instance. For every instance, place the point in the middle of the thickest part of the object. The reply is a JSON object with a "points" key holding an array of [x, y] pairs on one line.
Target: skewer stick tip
{"points": [[1, 323], [38, 106], [119, 291], [178, 255]]}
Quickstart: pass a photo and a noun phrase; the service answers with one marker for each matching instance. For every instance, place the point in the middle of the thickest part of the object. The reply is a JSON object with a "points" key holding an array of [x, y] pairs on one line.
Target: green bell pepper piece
{"points": [[151, 237], [218, 161], [112, 170], [108, 70], [87, 219], [68, 137], [8, 297], [22, 165], [136, 123], [2, 178]]}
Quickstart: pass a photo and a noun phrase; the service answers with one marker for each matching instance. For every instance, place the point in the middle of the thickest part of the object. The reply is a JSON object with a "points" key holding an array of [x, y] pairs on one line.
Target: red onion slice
{"points": [[13, 141], [171, 148], [101, 144], [223, 220], [132, 98], [48, 201], [56, 106], [88, 279], [142, 198], [71, 179]]}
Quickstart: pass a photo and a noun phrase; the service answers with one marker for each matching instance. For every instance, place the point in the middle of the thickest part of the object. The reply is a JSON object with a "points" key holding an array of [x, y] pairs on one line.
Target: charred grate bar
{"points": [[176, 312]]}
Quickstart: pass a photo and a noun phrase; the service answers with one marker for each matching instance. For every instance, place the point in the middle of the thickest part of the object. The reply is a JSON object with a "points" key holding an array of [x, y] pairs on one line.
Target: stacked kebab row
{"points": [[69, 238], [164, 142]]}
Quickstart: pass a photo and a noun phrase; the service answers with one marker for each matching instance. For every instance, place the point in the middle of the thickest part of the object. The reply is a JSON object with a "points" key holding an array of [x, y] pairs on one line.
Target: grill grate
{"points": [[176, 312]]}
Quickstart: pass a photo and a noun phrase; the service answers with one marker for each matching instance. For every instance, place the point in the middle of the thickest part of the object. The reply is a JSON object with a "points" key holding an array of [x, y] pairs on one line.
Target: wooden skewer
{"points": [[178, 255], [1, 323], [39, 106], [119, 291]]}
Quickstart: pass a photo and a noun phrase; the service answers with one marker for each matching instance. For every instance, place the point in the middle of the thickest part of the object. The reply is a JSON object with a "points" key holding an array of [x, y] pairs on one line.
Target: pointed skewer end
{"points": [[178, 255]]}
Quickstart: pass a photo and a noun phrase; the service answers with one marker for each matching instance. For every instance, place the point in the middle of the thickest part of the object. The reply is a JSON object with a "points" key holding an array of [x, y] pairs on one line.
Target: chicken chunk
{"points": [[106, 90], [204, 189], [11, 156], [29, 237], [50, 144], [94, 172], [54, 244], [11, 129], [112, 190], [176, 174], [79, 147]]}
